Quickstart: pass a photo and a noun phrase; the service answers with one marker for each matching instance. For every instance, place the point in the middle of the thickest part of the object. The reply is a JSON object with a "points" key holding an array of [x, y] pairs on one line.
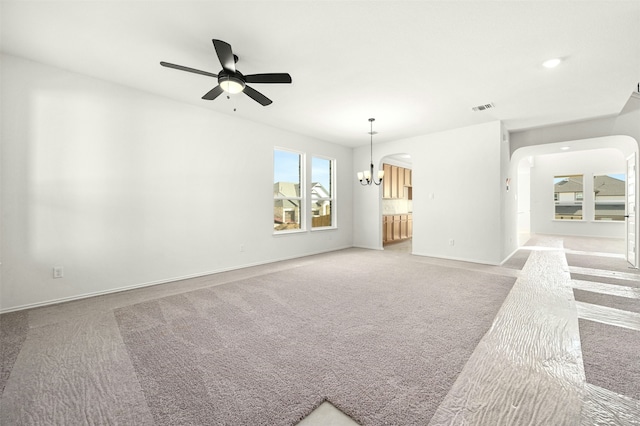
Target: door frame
{"points": [[631, 211]]}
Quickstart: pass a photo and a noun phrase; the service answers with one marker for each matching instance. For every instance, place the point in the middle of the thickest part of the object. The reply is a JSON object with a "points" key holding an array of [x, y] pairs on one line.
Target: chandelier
{"points": [[366, 177]]}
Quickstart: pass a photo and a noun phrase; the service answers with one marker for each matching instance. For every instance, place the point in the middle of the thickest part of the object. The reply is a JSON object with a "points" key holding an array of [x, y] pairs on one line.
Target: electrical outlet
{"points": [[58, 272], [241, 247], [452, 242]]}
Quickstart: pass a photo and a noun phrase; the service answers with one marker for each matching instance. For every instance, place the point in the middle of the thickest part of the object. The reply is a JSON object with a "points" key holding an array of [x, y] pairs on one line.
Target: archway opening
{"points": [[397, 203], [585, 168]]}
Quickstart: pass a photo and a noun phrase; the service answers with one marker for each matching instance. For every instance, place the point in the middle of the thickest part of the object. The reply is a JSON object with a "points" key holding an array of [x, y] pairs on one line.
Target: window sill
{"points": [[289, 232], [324, 228], [586, 221]]}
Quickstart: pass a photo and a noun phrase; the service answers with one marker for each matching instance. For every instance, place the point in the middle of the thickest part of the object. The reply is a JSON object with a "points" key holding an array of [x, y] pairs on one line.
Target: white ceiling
{"points": [[416, 66]]}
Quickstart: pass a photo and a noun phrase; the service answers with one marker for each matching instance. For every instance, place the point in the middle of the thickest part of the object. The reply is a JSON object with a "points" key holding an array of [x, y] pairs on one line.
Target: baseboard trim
{"points": [[509, 257], [460, 259], [157, 282]]}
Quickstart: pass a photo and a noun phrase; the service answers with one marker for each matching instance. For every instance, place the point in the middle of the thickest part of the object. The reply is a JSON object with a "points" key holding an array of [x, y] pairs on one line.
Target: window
{"points": [[291, 195], [287, 190], [609, 197], [568, 197], [321, 192]]}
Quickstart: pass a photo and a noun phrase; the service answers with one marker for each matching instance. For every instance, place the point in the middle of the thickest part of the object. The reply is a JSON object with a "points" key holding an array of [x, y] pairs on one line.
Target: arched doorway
{"points": [[589, 164], [397, 203]]}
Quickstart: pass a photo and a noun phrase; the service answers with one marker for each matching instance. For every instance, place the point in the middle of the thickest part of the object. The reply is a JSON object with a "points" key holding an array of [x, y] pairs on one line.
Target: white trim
{"points": [[369, 248], [509, 256], [164, 281], [461, 259]]}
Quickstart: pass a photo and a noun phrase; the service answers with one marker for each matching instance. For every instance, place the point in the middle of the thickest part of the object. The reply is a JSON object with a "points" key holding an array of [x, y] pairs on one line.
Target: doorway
{"points": [[397, 203], [597, 162]]}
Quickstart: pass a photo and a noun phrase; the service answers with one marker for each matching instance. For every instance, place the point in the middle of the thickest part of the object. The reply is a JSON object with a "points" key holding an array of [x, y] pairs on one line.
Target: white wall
{"points": [[462, 169], [123, 188], [587, 163], [626, 123]]}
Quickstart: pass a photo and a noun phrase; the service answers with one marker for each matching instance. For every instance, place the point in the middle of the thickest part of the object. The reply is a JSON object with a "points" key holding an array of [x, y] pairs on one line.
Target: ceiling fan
{"points": [[231, 80]]}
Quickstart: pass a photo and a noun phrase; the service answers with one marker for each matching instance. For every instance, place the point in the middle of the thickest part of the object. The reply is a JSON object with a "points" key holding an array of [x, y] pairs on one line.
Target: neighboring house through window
{"points": [[287, 194], [568, 195], [290, 199], [609, 196], [321, 192]]}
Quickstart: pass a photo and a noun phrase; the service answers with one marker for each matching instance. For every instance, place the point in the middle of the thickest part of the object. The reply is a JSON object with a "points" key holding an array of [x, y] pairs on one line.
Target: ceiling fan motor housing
{"points": [[231, 83]]}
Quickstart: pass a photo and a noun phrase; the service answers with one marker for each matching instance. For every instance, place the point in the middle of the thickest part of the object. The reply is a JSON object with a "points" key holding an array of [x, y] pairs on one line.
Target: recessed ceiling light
{"points": [[564, 148], [552, 63]]}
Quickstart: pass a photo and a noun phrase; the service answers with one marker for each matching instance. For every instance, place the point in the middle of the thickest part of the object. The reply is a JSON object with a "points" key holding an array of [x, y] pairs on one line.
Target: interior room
{"points": [[453, 187]]}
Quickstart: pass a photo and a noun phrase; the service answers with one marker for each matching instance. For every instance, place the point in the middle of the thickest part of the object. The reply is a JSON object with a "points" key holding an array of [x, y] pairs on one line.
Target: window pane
{"points": [[321, 213], [321, 192], [286, 167], [286, 214], [608, 195], [286, 190], [321, 177], [568, 197]]}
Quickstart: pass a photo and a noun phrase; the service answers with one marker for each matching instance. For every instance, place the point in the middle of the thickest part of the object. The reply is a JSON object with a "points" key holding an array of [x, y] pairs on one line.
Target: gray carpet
{"points": [[606, 280], [517, 259], [610, 356], [616, 302], [14, 327], [381, 339], [601, 262]]}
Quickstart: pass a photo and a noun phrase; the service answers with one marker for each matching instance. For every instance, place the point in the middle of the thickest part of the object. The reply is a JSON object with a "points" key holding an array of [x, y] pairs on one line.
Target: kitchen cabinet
{"points": [[386, 185], [387, 229], [396, 228], [396, 183], [403, 227], [393, 182]]}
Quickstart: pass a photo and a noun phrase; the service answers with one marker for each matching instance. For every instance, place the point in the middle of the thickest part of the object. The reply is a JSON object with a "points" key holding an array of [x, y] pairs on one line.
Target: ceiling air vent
{"points": [[482, 107]]}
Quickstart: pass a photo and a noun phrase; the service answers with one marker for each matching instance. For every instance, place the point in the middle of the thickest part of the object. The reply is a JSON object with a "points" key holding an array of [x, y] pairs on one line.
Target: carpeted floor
{"points": [[601, 262], [517, 260], [610, 352], [611, 357], [616, 302], [382, 337], [14, 327], [382, 346], [607, 280]]}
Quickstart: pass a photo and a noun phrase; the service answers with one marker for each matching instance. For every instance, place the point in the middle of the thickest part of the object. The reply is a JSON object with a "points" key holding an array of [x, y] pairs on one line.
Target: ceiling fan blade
{"points": [[193, 70], [225, 55], [268, 78], [213, 93], [257, 96]]}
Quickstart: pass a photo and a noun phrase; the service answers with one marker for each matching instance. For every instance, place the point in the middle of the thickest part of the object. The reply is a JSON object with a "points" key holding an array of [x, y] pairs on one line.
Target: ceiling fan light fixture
{"points": [[231, 84]]}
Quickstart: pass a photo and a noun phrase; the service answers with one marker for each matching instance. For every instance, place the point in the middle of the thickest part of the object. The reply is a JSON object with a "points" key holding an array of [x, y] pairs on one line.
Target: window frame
{"points": [[622, 201], [332, 193], [301, 199], [574, 200]]}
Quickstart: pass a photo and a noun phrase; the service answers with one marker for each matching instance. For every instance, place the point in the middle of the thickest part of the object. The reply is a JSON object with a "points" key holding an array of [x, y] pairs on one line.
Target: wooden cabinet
{"points": [[393, 182], [400, 182], [396, 228], [386, 181], [403, 227], [396, 182], [387, 229]]}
